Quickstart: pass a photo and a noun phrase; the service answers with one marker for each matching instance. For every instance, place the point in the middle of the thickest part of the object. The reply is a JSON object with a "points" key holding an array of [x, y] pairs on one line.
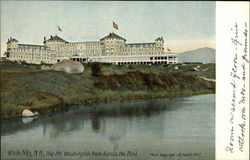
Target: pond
{"points": [[179, 128]]}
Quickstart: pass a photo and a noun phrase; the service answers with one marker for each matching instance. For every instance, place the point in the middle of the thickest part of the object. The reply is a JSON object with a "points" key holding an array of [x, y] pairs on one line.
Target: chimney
{"points": [[50, 36], [44, 39], [10, 38]]}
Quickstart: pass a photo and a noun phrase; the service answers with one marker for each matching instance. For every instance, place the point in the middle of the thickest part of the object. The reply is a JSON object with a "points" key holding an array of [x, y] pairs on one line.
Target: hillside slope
{"points": [[202, 55], [43, 91]]}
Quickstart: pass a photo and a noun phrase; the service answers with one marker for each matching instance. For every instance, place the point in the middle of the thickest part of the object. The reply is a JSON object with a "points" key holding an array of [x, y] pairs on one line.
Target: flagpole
{"points": [[113, 27], [55, 32]]}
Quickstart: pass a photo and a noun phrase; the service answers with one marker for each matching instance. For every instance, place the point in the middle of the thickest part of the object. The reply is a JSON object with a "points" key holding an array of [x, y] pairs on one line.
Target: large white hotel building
{"points": [[109, 49]]}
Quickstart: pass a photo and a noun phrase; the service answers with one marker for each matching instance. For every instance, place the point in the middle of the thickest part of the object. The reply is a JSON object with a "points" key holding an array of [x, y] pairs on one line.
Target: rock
{"points": [[204, 70], [208, 79], [36, 113], [43, 67], [68, 66], [28, 113], [196, 69], [27, 119], [176, 67]]}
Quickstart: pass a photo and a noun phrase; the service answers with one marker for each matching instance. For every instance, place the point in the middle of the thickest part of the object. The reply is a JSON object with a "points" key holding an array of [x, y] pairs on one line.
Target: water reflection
{"points": [[96, 123], [68, 121], [153, 125]]}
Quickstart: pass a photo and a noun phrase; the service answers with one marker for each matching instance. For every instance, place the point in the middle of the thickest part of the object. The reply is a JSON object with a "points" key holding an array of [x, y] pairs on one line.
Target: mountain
{"points": [[203, 55]]}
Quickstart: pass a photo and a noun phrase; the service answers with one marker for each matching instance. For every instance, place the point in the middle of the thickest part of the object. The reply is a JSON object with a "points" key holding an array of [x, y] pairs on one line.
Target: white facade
{"points": [[35, 54], [110, 49]]}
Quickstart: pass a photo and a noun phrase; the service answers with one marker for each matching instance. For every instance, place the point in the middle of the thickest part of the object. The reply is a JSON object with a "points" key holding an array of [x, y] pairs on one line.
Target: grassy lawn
{"points": [[29, 87]]}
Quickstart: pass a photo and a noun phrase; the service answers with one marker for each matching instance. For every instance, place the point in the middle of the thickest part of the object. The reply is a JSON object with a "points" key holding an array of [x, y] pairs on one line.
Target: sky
{"points": [[184, 25]]}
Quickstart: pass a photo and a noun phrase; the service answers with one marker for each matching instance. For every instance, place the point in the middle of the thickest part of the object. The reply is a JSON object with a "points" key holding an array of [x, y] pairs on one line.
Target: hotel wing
{"points": [[109, 49]]}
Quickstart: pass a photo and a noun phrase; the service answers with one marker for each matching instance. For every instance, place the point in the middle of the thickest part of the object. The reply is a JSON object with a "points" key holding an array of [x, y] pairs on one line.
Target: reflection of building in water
{"points": [[60, 123], [109, 49], [95, 123], [112, 125], [113, 129]]}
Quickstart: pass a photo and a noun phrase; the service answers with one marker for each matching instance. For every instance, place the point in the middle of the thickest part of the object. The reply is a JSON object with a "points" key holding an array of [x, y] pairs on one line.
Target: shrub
{"points": [[96, 70], [100, 85]]}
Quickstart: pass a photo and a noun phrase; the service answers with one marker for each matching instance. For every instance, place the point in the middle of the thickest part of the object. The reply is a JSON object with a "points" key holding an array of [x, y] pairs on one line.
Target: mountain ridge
{"points": [[201, 55]]}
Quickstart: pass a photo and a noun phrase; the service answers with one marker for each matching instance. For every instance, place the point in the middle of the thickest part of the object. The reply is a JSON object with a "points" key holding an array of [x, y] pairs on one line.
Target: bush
{"points": [[100, 85], [96, 70]]}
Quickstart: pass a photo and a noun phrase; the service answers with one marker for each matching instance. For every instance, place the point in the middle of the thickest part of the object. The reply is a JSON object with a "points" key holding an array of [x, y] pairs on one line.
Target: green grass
{"points": [[28, 87]]}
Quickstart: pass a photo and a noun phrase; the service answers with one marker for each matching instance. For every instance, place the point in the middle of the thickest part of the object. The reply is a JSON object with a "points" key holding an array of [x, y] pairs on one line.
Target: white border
{"points": [[227, 14]]}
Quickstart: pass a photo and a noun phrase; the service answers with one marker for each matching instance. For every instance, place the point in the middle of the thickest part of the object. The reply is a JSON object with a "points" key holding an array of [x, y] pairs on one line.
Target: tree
{"points": [[7, 54], [96, 70]]}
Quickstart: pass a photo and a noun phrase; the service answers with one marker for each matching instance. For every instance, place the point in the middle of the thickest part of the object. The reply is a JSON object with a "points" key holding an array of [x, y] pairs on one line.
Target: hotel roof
{"points": [[56, 38], [159, 39], [113, 36], [12, 40]]}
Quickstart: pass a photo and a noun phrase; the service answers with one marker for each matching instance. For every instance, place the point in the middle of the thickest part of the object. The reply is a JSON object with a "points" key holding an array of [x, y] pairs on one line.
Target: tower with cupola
{"points": [[12, 43], [159, 44]]}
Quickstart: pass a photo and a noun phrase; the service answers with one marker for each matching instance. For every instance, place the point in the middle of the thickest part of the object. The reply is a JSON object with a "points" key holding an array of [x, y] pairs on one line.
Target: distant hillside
{"points": [[203, 55]]}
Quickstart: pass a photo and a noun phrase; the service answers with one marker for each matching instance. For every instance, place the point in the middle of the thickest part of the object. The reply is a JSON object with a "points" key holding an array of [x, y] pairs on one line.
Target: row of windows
{"points": [[31, 47], [139, 49], [77, 51], [75, 48], [107, 46], [29, 50], [29, 53], [117, 42], [131, 53], [83, 43], [108, 49], [29, 57], [162, 58], [37, 55], [112, 46], [111, 39], [160, 62], [55, 42], [140, 45]]}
